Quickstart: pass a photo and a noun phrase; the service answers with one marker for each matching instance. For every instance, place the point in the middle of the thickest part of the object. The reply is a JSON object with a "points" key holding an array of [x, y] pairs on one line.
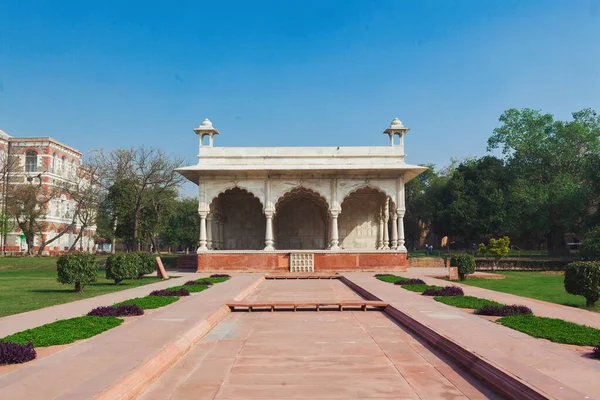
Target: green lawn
{"points": [[555, 330], [29, 283], [465, 301], [547, 286]]}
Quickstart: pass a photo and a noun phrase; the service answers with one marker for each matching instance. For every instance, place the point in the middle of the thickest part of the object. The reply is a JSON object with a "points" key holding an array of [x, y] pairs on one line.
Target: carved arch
{"points": [[309, 193], [346, 192]]}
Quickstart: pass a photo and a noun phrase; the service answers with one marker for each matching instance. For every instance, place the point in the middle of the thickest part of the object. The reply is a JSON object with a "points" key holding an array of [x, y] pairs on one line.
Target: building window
{"points": [[54, 162], [31, 161]]}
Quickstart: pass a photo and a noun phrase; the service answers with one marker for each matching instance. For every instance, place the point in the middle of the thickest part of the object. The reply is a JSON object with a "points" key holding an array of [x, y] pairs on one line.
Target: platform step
{"points": [[317, 305], [302, 276]]}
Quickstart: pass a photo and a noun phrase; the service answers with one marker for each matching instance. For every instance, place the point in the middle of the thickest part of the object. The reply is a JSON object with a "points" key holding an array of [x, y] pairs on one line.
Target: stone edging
{"points": [[503, 382], [139, 378]]}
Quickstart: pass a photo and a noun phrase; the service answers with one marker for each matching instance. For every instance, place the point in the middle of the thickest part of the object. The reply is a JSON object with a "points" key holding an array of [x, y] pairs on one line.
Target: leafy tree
{"points": [[465, 263], [482, 249], [77, 268], [550, 162], [499, 248], [183, 227]]}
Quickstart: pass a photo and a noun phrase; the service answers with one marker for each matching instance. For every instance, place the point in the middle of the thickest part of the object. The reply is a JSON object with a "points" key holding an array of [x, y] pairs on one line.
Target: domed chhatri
{"points": [[396, 128], [206, 127]]}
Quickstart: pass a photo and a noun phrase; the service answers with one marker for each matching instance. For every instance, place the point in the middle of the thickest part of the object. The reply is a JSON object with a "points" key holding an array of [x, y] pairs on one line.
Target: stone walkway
{"points": [[539, 307], [556, 370], [88, 367], [31, 319], [310, 355]]}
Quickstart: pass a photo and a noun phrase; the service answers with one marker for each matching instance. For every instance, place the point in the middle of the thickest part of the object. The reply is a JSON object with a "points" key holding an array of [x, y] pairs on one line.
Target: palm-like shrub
{"points": [[77, 268]]}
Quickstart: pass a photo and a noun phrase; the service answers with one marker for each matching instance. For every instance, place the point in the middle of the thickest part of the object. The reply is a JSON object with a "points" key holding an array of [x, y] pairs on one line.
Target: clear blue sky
{"points": [[292, 73]]}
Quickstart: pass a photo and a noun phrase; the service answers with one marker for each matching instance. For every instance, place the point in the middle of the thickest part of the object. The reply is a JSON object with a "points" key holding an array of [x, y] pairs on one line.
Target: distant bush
{"points": [[166, 292], [125, 310], [503, 310], [465, 263], [147, 263], [582, 278], [77, 268], [410, 282], [446, 291], [220, 276], [122, 266], [590, 246], [13, 353]]}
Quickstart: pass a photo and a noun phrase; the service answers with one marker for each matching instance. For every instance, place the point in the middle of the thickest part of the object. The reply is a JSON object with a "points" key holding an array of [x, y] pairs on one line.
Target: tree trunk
{"points": [[589, 303], [113, 240], [136, 224], [72, 248], [78, 287]]}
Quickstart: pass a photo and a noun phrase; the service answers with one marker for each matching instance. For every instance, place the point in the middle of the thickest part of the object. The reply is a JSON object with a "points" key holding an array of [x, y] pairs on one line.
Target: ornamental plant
{"points": [[13, 353], [76, 268], [220, 276], [122, 266], [503, 310], [499, 249], [125, 310], [465, 263], [198, 282], [166, 292], [596, 352], [582, 278], [410, 282], [482, 249], [445, 291]]}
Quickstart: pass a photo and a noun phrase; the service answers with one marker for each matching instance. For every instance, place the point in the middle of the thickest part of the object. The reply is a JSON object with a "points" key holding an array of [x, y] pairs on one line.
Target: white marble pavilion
{"points": [[337, 199]]}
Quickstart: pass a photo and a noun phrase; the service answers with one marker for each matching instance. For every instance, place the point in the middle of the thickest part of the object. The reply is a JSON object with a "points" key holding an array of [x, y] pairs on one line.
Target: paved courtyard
{"points": [[308, 354]]}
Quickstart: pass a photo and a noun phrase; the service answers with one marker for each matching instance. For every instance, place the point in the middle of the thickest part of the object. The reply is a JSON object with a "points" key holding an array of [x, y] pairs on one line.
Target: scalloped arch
{"points": [[215, 194], [301, 188], [368, 186]]}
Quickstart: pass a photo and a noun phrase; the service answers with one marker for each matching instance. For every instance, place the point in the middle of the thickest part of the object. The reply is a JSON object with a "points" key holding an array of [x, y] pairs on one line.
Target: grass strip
{"points": [[465, 301], [64, 331], [149, 302], [190, 288], [420, 288], [213, 280], [392, 278], [553, 329]]}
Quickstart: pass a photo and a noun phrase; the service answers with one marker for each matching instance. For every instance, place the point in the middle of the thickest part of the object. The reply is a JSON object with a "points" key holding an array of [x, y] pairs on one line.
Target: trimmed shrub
{"points": [[410, 282], [582, 278], [503, 310], [220, 276], [167, 292], [124, 310], [465, 264], [147, 263], [77, 268], [122, 266], [446, 291], [13, 353]]}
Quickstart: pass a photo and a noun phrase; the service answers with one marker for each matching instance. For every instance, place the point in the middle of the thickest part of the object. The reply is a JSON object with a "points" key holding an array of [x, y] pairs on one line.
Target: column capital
{"points": [[203, 213], [269, 212]]}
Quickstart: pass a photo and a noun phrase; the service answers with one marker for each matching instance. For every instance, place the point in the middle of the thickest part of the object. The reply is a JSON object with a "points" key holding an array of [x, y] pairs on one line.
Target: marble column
{"points": [[380, 234], [386, 233], [202, 233], [394, 231], [209, 231], [269, 231], [334, 231], [222, 234], [401, 241]]}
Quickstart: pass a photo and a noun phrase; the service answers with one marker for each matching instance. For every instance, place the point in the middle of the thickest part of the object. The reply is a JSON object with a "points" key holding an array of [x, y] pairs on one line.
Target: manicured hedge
{"points": [[14, 353], [150, 302], [122, 266], [64, 331], [147, 263], [555, 330], [124, 310], [77, 269], [445, 291], [466, 301], [410, 282], [503, 310]]}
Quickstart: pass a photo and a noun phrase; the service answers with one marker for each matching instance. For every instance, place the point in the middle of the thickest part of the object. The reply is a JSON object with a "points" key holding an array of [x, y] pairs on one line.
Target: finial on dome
{"points": [[206, 127]]}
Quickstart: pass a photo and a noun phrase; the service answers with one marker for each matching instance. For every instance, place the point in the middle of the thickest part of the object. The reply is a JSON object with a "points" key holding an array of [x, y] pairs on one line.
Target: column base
{"points": [[201, 249], [269, 247]]}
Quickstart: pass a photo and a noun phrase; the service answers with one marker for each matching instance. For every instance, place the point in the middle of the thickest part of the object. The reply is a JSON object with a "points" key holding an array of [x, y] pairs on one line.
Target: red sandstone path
{"points": [[308, 354]]}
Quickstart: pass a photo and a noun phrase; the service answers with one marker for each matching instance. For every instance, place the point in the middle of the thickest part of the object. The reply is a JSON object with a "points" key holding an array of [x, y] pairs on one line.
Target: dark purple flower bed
{"points": [[410, 282], [596, 352], [377, 275], [503, 311], [12, 353], [446, 291], [125, 310], [220, 276], [178, 292], [201, 282]]}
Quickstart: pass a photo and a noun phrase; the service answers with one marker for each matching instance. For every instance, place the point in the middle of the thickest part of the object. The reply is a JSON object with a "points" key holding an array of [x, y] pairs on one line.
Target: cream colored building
{"points": [[284, 199]]}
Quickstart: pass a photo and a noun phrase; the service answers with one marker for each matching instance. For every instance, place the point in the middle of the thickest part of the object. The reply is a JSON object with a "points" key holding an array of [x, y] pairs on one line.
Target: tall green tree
{"points": [[551, 163]]}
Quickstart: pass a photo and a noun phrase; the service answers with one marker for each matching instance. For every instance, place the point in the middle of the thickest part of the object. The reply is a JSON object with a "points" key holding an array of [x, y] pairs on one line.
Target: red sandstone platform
{"points": [[261, 261]]}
